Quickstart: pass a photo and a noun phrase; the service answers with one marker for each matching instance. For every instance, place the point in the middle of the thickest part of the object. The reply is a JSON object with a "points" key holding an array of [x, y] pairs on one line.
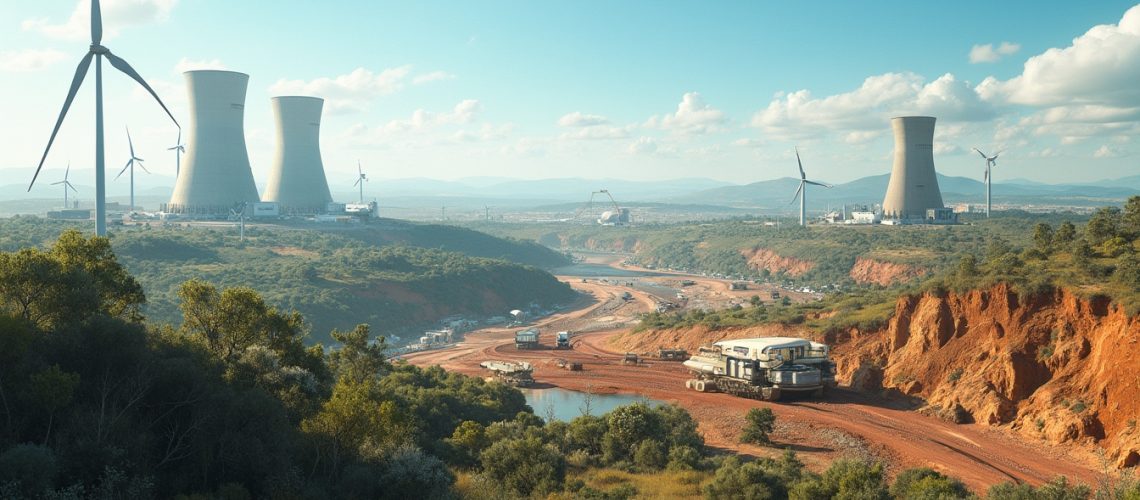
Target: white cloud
{"points": [[869, 108], [595, 133], [643, 145], [693, 117], [434, 76], [862, 136], [1105, 151], [579, 119], [747, 142], [186, 64], [350, 92], [485, 133], [1100, 67], [117, 14], [988, 54], [22, 61], [422, 120]]}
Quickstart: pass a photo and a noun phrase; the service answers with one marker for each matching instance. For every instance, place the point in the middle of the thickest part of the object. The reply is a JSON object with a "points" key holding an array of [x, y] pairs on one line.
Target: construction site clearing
{"points": [[843, 423]]}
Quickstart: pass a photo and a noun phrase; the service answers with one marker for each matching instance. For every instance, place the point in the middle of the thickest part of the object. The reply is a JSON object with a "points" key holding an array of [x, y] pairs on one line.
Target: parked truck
{"points": [[526, 339], [562, 341], [762, 368]]}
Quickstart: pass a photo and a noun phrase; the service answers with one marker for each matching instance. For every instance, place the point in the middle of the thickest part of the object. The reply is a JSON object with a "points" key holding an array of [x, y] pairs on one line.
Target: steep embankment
{"points": [[883, 273], [763, 258], [1053, 366]]}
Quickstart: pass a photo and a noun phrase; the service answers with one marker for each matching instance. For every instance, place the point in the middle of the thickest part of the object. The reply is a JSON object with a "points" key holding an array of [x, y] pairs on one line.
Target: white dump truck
{"points": [[562, 340], [762, 368], [526, 339]]}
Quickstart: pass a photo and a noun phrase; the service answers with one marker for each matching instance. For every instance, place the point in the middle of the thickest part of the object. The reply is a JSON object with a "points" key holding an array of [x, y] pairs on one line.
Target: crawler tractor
{"points": [[762, 368]]}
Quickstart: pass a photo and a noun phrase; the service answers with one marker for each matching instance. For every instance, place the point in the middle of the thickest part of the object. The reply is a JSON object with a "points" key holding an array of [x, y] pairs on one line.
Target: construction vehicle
{"points": [[672, 354], [526, 339], [573, 366], [630, 359], [562, 341], [762, 368], [519, 374]]}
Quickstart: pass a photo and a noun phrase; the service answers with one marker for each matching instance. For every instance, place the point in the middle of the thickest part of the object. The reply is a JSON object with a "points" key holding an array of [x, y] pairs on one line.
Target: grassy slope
{"points": [[336, 279]]}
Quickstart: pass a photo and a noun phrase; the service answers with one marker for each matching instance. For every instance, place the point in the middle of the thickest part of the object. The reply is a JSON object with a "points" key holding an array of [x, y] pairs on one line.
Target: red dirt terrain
{"points": [[883, 273], [847, 423], [763, 258]]}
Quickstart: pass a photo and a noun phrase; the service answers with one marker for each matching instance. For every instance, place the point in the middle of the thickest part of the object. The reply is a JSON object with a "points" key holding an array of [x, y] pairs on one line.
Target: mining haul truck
{"points": [[562, 341], [526, 339], [518, 374], [762, 368]]}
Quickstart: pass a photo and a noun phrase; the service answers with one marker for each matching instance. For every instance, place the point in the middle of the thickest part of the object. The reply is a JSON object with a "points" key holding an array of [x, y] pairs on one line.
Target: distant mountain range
{"points": [[776, 194], [513, 194]]}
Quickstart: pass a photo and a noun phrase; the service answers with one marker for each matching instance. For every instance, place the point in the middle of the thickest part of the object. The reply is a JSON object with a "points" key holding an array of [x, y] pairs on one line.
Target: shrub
{"points": [[683, 458], [927, 484], [759, 423], [649, 454]]}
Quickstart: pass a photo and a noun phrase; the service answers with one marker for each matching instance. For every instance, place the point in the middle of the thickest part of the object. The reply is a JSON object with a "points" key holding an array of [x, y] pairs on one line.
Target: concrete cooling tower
{"points": [[913, 189], [215, 174], [297, 180]]}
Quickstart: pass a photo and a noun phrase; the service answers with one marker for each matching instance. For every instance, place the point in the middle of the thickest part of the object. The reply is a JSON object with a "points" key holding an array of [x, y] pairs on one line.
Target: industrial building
{"points": [[913, 196], [297, 177], [216, 175]]}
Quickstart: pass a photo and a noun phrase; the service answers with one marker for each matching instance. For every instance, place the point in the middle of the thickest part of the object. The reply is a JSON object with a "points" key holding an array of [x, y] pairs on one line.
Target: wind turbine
{"points": [[131, 165], [360, 180], [991, 161], [801, 191], [178, 149], [66, 185], [98, 52]]}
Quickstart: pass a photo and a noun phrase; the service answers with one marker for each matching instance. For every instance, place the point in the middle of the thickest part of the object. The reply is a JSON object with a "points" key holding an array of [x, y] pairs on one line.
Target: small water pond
{"points": [[566, 405]]}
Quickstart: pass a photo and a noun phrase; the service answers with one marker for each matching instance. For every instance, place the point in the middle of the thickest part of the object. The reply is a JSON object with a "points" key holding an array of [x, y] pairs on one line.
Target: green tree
{"points": [[1066, 233], [927, 484], [524, 466], [650, 454], [359, 357], [36, 287], [355, 421], [119, 294], [53, 389], [759, 422], [467, 442], [1130, 221], [1043, 238], [1104, 224], [845, 480]]}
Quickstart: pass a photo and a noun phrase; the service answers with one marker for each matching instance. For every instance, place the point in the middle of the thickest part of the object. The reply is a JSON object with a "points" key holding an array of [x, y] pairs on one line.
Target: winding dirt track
{"points": [[846, 423]]}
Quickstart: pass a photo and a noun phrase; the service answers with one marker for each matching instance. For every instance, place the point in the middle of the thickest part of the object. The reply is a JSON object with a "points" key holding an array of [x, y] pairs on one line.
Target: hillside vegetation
{"points": [[849, 256], [336, 279], [94, 403]]}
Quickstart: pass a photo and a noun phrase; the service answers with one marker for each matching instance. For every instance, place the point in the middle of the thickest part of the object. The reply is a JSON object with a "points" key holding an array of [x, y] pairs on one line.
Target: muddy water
{"points": [[565, 405]]}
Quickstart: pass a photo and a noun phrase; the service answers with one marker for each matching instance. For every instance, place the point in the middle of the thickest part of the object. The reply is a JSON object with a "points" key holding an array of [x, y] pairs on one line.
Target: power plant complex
{"points": [[216, 178]]}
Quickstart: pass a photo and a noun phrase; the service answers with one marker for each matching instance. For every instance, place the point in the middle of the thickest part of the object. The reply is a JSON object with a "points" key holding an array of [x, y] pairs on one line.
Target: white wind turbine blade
{"points": [[76, 82], [801, 165], [814, 183], [798, 191], [96, 23], [125, 167], [126, 68], [130, 142], [140, 163], [67, 172], [981, 153]]}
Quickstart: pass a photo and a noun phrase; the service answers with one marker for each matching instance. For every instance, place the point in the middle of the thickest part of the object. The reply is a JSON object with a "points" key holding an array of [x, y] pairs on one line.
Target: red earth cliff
{"points": [[883, 273], [762, 258], [1052, 366]]}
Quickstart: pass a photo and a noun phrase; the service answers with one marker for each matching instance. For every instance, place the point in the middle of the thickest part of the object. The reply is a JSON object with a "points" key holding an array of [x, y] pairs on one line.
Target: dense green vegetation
{"points": [[337, 278], [96, 403]]}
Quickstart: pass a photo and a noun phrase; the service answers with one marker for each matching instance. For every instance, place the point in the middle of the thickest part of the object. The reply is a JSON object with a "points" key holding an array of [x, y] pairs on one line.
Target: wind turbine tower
{"points": [[991, 161], [360, 180], [801, 191], [66, 185], [131, 165], [97, 52]]}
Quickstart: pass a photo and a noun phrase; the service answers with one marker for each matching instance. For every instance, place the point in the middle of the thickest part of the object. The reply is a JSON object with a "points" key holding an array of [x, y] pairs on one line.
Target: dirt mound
{"points": [[693, 337], [1052, 366], [762, 258], [883, 273]]}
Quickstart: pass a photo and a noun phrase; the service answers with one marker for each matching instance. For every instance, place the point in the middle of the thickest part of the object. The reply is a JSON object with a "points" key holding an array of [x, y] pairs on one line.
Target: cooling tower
{"points": [[297, 180], [914, 186], [215, 175]]}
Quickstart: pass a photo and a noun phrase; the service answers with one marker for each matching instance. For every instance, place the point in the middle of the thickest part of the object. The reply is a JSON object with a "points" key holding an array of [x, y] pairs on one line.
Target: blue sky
{"points": [[632, 90]]}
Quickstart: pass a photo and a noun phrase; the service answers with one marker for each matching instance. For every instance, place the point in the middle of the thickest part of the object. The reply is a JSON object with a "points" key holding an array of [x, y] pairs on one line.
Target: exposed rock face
{"points": [[1054, 366], [762, 258], [883, 273]]}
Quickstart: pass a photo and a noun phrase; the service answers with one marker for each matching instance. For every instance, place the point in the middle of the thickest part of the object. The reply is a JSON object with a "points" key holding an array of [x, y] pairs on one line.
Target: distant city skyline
{"points": [[628, 90]]}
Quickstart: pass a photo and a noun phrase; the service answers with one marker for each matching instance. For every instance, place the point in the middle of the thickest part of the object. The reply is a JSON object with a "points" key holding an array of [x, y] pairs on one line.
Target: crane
{"points": [[618, 216]]}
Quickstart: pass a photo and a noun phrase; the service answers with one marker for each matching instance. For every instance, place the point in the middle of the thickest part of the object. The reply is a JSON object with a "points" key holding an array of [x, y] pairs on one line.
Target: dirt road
{"points": [[846, 424]]}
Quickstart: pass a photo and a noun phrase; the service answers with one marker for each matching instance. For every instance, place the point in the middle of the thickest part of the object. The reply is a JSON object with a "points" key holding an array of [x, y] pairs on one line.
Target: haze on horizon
{"points": [[629, 90]]}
